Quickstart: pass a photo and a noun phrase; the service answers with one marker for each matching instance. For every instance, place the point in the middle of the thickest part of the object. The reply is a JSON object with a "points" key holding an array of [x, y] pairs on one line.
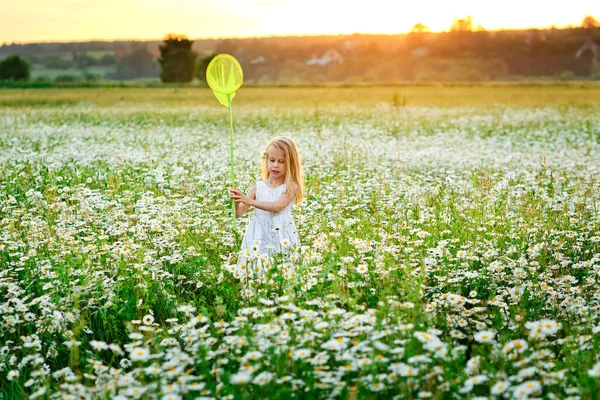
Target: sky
{"points": [[25, 21]]}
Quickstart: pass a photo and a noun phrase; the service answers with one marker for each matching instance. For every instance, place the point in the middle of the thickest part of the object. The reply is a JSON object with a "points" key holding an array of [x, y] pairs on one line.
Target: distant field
{"points": [[99, 54], [53, 73], [535, 95]]}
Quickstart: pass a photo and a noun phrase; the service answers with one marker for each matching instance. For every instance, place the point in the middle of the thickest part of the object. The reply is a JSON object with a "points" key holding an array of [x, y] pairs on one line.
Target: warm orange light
{"points": [[65, 20]]}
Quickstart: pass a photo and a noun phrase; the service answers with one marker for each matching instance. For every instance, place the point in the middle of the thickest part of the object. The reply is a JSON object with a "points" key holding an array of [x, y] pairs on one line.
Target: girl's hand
{"points": [[239, 197]]}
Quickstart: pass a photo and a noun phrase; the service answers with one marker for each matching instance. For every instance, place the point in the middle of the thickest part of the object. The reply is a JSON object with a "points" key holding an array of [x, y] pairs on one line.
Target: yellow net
{"points": [[224, 76]]}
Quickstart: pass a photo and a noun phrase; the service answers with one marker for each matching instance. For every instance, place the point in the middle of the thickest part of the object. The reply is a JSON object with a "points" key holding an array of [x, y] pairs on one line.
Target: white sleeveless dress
{"points": [[268, 233]]}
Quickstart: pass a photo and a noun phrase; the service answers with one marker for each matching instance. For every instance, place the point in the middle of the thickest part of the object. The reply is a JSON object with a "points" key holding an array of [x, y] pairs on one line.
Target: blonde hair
{"points": [[293, 164]]}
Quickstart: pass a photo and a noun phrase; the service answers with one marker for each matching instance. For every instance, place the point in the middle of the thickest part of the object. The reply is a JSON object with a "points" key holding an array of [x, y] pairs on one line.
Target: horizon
{"points": [[110, 40], [33, 21]]}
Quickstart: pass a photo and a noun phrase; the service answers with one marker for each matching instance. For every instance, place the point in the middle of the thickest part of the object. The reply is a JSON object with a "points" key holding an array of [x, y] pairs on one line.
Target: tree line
{"points": [[177, 61], [465, 52]]}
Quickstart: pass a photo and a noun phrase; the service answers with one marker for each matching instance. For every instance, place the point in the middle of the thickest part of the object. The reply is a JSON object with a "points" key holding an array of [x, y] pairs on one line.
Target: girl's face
{"points": [[276, 162]]}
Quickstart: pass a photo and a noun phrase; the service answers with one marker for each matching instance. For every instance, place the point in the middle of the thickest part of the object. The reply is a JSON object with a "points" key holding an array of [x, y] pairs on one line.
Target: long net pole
{"points": [[231, 160]]}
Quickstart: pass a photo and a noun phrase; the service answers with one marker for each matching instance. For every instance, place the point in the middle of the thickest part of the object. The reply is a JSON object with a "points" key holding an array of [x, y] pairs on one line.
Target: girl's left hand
{"points": [[239, 197]]}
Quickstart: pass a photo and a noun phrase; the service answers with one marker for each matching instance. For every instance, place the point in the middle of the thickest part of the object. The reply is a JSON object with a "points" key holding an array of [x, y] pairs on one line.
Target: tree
{"points": [[590, 22], [82, 60], [227, 46], [108, 59], [177, 60], [137, 64], [416, 37], [14, 68], [55, 62], [420, 28], [462, 25], [203, 65]]}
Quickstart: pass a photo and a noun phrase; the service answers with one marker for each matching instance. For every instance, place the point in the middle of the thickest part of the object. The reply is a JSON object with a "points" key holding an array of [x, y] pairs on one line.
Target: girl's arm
{"points": [[242, 208], [270, 206]]}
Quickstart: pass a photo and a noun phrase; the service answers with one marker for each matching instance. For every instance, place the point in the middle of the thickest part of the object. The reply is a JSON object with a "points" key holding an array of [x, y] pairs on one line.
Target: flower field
{"points": [[450, 245]]}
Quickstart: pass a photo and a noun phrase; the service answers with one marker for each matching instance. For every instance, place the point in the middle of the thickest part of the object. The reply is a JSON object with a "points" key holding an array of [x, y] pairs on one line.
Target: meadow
{"points": [[450, 244]]}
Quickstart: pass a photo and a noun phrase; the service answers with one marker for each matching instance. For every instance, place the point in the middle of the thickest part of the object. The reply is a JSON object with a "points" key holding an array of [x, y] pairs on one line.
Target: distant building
{"points": [[121, 52], [420, 52], [589, 52], [67, 56], [591, 46], [155, 52], [348, 45], [534, 36], [331, 56]]}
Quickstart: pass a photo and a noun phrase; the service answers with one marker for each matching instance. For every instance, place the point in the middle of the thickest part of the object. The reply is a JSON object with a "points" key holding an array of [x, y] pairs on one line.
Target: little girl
{"points": [[272, 230]]}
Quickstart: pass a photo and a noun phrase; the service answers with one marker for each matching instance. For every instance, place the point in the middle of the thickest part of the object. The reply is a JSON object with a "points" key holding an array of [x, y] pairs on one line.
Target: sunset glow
{"points": [[78, 20]]}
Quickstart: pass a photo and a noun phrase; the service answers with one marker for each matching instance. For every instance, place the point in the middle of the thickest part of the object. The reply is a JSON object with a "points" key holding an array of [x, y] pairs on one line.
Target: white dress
{"points": [[269, 233]]}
